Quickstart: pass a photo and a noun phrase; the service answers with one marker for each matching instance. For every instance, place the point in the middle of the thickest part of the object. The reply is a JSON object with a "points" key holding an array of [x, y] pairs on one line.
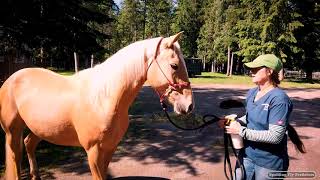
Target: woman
{"points": [[264, 126]]}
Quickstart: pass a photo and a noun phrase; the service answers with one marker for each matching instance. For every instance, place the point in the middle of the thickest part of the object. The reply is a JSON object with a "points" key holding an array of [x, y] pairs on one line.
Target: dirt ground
{"points": [[161, 152]]}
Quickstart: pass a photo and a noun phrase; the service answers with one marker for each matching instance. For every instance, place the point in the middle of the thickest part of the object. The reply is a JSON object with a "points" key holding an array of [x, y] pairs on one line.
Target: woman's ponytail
{"points": [[294, 137]]}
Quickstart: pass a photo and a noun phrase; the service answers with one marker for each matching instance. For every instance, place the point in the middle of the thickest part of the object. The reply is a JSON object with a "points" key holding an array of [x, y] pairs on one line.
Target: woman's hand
{"points": [[233, 128]]}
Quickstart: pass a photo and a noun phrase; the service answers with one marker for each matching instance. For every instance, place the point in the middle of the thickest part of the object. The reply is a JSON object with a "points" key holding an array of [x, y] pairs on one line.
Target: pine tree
{"points": [[308, 36], [158, 18], [130, 20], [53, 27], [188, 19]]}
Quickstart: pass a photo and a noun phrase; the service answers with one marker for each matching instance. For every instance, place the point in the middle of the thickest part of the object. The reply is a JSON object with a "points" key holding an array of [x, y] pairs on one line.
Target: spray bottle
{"points": [[237, 140], [237, 143]]}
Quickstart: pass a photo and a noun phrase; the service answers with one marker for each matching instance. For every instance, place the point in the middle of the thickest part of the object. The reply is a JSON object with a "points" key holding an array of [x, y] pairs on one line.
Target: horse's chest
{"points": [[106, 130]]}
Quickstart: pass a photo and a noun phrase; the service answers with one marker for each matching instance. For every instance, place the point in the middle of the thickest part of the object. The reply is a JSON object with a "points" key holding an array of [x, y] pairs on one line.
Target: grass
{"points": [[65, 73], [219, 78]]}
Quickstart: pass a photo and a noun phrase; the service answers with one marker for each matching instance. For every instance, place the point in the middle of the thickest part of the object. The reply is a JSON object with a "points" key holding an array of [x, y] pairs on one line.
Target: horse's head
{"points": [[167, 74]]}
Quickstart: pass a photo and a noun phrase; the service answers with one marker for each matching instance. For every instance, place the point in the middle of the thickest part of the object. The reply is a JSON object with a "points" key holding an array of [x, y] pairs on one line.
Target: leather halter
{"points": [[172, 86]]}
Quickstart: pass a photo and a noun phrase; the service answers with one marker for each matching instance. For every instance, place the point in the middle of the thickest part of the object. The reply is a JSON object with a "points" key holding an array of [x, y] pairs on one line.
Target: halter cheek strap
{"points": [[172, 86]]}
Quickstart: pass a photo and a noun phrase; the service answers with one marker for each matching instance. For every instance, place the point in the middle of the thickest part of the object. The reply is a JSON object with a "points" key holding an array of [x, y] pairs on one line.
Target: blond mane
{"points": [[125, 69]]}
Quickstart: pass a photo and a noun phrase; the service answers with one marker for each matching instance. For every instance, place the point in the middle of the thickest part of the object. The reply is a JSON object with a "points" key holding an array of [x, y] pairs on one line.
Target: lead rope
{"points": [[226, 137], [227, 156], [205, 123], [237, 154]]}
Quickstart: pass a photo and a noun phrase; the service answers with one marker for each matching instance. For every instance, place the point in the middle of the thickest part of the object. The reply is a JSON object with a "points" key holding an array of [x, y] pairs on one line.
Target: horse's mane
{"points": [[117, 72]]}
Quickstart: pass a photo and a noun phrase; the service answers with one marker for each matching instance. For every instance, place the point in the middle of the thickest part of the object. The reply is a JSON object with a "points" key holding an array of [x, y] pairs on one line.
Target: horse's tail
{"points": [[294, 137]]}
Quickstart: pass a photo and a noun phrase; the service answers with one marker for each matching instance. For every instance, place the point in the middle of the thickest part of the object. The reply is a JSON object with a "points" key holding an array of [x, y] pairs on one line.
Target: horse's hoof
{"points": [[33, 177]]}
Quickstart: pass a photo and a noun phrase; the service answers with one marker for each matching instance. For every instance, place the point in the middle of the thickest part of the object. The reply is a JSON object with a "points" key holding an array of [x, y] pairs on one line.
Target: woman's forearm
{"points": [[273, 136]]}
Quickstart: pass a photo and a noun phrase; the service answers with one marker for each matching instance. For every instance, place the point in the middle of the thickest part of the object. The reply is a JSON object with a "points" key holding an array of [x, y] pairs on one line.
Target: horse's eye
{"points": [[174, 66]]}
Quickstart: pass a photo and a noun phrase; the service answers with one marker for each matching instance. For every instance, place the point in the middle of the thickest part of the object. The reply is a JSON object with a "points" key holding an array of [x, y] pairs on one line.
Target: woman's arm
{"points": [[273, 136]]}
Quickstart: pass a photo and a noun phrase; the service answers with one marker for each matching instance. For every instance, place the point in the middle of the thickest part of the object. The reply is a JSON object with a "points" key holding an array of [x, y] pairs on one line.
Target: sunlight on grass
{"points": [[218, 78], [65, 73]]}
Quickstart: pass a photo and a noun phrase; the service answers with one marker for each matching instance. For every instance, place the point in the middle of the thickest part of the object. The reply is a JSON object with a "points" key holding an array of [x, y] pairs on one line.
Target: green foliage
{"points": [[141, 19], [308, 36], [56, 27], [250, 28], [288, 28], [130, 20], [188, 19], [158, 18], [218, 30]]}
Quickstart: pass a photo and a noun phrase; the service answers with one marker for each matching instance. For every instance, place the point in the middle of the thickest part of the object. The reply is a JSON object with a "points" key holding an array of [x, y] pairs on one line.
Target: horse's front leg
{"points": [[108, 157], [96, 161]]}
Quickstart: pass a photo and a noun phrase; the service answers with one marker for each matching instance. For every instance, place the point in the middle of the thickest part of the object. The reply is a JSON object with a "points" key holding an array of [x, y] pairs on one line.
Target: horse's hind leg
{"points": [[31, 142], [14, 152]]}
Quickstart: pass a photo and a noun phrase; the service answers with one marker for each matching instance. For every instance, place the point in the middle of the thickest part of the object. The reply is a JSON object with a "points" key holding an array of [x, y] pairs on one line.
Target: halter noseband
{"points": [[172, 86]]}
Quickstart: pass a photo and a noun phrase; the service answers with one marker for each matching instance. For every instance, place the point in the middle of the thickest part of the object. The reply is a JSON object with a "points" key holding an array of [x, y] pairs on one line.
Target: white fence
{"points": [[301, 74]]}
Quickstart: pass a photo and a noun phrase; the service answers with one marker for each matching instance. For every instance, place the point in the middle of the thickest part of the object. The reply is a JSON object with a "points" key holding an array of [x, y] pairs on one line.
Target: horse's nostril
{"points": [[190, 108]]}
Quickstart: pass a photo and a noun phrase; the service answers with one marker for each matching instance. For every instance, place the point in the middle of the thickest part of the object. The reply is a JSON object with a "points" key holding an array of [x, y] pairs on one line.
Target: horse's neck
{"points": [[120, 77]]}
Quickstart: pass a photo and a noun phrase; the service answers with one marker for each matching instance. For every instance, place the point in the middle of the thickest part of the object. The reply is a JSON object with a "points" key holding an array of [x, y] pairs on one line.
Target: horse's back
{"points": [[43, 99], [38, 77], [31, 83]]}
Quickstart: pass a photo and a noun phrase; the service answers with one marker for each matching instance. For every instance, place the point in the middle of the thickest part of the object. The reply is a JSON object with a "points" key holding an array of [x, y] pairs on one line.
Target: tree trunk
{"points": [[91, 61], [204, 64], [75, 62], [212, 67], [238, 66], [222, 67], [309, 65], [231, 65], [41, 56], [228, 62], [309, 75]]}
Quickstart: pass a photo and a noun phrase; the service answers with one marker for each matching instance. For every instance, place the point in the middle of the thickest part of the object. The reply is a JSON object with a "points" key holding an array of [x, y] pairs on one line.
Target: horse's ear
{"points": [[173, 39]]}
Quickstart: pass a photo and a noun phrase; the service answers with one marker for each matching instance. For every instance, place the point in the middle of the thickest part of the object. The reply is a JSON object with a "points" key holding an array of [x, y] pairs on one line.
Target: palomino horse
{"points": [[90, 108]]}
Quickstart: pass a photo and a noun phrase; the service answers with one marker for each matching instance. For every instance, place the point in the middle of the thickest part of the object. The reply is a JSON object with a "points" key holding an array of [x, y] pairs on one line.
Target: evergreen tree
{"points": [[308, 36], [208, 33], [218, 32], [158, 18], [188, 19], [266, 28], [130, 22], [53, 26]]}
